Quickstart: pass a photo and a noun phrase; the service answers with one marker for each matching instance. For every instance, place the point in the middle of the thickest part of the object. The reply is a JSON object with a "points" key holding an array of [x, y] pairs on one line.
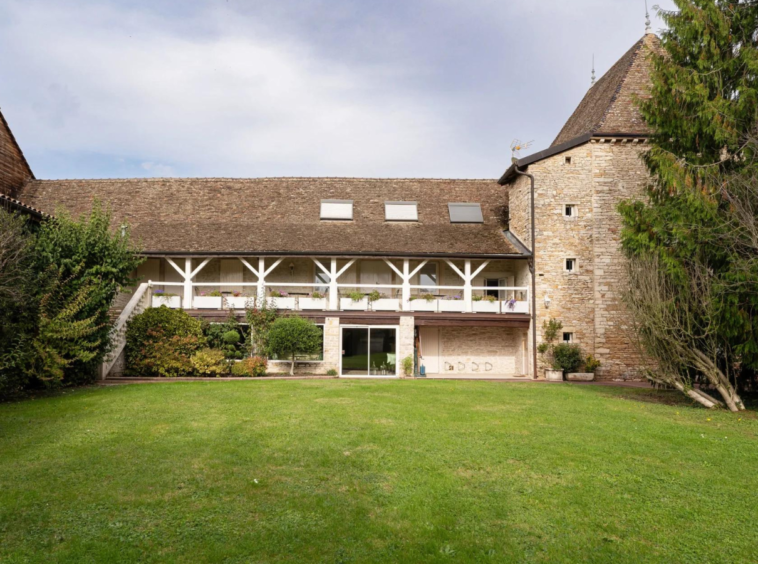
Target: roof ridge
{"points": [[637, 48], [259, 179]]}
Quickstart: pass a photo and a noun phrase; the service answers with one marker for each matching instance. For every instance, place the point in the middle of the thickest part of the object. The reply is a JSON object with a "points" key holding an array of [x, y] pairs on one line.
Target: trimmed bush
{"points": [[292, 336], [161, 341], [209, 362], [567, 357]]}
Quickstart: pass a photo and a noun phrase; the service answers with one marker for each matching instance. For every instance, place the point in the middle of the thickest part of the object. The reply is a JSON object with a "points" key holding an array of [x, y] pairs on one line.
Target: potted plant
{"points": [[281, 300], [208, 300], [567, 358], [380, 302], [591, 364], [452, 304], [546, 348], [486, 304], [316, 300], [424, 302], [163, 298], [355, 301]]}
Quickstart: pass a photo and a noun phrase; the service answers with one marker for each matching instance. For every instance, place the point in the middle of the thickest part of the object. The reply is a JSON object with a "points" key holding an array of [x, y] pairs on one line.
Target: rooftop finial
{"points": [[648, 25], [593, 70]]}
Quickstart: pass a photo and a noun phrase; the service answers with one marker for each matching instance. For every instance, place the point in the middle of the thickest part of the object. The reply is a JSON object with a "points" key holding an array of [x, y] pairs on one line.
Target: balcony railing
{"points": [[294, 296]]}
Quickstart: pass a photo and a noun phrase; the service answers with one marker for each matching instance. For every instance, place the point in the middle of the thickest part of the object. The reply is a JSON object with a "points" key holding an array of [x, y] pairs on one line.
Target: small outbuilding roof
{"points": [[282, 215]]}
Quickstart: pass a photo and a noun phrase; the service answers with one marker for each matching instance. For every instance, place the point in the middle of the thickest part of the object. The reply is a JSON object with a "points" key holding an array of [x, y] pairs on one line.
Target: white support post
{"points": [[187, 283], [468, 293], [334, 302], [406, 305], [261, 281]]}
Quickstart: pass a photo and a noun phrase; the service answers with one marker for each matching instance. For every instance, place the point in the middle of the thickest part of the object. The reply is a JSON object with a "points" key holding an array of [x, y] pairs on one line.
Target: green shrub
{"points": [[231, 337], [567, 357], [146, 338], [170, 357], [331, 372], [374, 296], [209, 362], [356, 296], [408, 365], [260, 318], [317, 296]]}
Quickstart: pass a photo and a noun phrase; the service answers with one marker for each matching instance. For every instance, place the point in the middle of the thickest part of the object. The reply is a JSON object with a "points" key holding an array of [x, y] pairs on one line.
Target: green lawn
{"points": [[401, 471]]}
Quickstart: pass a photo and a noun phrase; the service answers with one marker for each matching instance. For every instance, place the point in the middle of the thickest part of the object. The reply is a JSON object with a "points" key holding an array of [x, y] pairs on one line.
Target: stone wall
{"points": [[14, 171], [595, 179], [618, 174], [482, 351]]}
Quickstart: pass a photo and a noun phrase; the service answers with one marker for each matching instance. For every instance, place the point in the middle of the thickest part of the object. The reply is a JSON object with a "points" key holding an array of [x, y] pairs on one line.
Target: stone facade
{"points": [[482, 352], [593, 178]]}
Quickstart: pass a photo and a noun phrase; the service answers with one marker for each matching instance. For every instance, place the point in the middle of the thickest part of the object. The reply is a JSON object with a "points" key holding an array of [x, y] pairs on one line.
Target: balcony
{"points": [[442, 286]]}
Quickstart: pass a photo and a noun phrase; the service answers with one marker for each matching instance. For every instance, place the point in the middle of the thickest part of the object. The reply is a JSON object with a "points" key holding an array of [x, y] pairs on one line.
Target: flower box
{"points": [[580, 377], [386, 304], [313, 303], [347, 304], [238, 302], [420, 304], [518, 307], [173, 302], [206, 302], [485, 306], [282, 303], [554, 375], [452, 306]]}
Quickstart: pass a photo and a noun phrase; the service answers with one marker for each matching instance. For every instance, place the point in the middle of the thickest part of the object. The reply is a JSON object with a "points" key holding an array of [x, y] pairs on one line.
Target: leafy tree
{"points": [[86, 253], [702, 110], [261, 317], [18, 302], [292, 336]]}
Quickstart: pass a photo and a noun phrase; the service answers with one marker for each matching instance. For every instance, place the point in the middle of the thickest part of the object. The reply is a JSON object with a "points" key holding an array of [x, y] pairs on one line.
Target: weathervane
{"points": [[648, 27]]}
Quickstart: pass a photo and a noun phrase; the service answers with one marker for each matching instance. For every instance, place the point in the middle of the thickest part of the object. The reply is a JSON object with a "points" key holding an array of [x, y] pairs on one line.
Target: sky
{"points": [[254, 88]]}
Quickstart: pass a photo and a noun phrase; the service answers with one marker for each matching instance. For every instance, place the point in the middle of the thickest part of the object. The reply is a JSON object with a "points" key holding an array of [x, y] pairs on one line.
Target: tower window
{"points": [[568, 337], [568, 160], [570, 211], [571, 265]]}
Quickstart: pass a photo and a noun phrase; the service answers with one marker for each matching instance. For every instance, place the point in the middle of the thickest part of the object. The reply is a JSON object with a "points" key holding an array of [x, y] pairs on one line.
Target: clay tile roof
{"points": [[15, 205], [608, 108], [282, 215], [14, 170]]}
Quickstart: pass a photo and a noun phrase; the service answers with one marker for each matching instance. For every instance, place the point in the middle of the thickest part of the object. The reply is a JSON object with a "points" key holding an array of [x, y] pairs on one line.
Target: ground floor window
{"points": [[369, 351]]}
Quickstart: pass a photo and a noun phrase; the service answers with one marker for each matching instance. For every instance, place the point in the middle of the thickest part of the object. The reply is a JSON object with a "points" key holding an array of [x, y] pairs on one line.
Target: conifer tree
{"points": [[702, 111]]}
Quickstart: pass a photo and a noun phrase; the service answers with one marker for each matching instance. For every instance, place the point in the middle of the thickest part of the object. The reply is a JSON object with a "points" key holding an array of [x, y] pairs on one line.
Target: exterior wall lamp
{"points": [[548, 301]]}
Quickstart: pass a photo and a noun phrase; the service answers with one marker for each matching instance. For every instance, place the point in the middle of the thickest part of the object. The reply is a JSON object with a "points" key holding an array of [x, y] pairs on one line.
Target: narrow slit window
{"points": [[400, 211], [338, 210], [568, 160], [571, 265], [465, 213], [569, 211]]}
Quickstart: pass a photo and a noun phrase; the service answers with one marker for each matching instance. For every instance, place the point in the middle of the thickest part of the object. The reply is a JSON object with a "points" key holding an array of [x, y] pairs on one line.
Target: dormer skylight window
{"points": [[400, 211], [465, 213], [337, 210]]}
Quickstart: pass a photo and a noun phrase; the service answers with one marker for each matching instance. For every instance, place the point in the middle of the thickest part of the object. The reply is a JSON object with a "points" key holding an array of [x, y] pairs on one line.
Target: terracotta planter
{"points": [[581, 377], [554, 375]]}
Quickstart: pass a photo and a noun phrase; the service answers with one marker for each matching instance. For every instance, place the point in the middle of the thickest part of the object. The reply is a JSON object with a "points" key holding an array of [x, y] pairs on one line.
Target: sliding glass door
{"points": [[369, 351]]}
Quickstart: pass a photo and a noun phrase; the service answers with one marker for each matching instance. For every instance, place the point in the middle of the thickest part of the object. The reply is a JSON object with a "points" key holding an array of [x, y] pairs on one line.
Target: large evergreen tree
{"points": [[702, 110]]}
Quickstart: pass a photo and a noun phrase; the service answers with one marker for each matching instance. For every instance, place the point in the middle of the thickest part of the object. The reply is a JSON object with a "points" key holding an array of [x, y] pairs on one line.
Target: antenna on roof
{"points": [[648, 27], [593, 70]]}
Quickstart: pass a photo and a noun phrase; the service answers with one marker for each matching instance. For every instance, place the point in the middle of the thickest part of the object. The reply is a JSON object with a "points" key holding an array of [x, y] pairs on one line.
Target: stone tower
{"points": [[592, 165]]}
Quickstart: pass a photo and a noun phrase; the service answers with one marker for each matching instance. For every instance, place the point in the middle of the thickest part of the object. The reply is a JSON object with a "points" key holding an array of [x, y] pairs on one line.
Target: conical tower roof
{"points": [[608, 108]]}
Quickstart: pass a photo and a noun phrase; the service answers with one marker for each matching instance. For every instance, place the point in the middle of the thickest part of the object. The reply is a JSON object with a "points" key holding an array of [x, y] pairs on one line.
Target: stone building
{"points": [[435, 270], [592, 165]]}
